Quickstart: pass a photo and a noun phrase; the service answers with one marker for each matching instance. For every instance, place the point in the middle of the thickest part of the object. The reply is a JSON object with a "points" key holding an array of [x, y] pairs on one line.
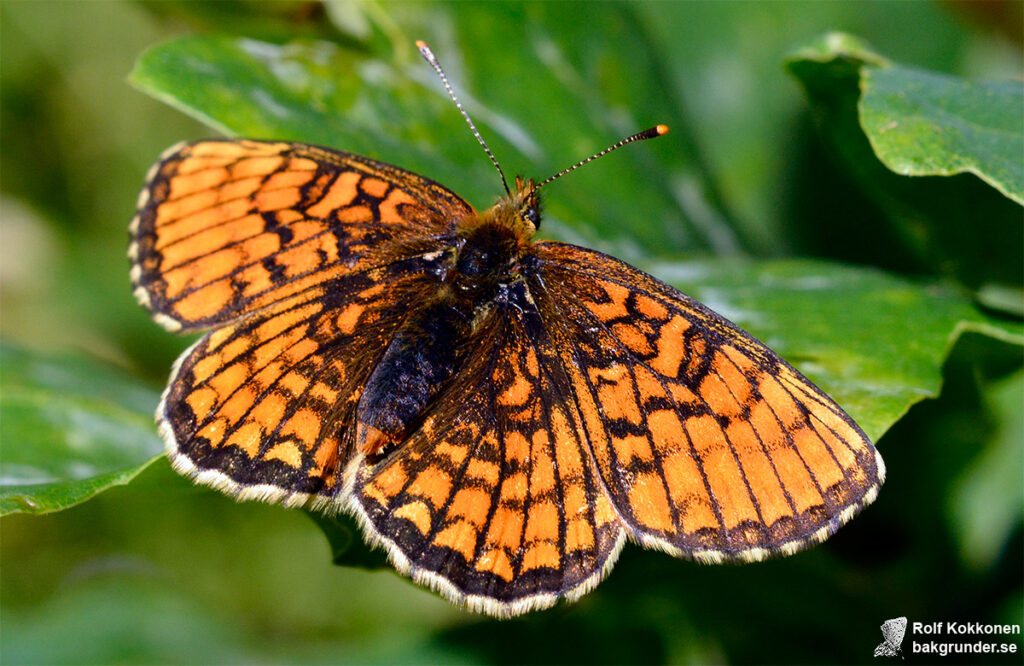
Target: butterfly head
{"points": [[518, 212], [525, 204]]}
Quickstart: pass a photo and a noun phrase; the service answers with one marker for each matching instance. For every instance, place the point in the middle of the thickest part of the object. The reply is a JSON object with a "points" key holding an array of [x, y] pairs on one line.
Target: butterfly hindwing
{"points": [[265, 407], [710, 445], [228, 227], [495, 500]]}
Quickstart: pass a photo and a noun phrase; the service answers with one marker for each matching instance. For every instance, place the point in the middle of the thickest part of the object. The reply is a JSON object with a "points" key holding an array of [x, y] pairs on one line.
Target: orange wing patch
{"points": [[495, 500], [226, 228], [710, 445]]}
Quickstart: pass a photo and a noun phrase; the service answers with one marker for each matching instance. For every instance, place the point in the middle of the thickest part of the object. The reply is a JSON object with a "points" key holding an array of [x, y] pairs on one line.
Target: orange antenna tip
{"points": [[427, 54], [661, 129]]}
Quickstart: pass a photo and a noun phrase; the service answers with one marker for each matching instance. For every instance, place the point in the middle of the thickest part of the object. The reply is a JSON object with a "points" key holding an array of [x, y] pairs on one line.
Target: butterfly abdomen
{"points": [[425, 352], [417, 363]]}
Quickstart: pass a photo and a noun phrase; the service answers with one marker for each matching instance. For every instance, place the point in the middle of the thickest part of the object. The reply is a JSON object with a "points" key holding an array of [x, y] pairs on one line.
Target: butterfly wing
{"points": [[709, 444], [228, 227], [264, 408], [495, 500]]}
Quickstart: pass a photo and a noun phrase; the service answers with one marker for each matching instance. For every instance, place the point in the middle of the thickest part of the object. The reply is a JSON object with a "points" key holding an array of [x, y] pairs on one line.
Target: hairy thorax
{"points": [[426, 351]]}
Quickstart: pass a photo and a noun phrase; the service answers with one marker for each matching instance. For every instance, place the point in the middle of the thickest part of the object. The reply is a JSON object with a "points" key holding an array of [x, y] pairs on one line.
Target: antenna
{"points": [[431, 59], [655, 131]]}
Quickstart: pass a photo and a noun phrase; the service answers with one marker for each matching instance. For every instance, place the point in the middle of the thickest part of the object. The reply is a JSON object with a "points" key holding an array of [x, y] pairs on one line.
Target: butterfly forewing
{"points": [[226, 228], [709, 444]]}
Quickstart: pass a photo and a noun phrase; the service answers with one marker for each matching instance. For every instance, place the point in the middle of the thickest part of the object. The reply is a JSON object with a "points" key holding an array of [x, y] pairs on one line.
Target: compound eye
{"points": [[532, 216]]}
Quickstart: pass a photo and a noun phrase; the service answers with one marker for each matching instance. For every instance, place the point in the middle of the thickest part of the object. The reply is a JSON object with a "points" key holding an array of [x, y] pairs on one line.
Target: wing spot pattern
{"points": [[432, 484], [506, 528], [649, 503], [496, 562], [387, 484], [541, 554], [340, 194], [375, 187], [287, 452], [460, 536], [670, 353], [471, 504], [417, 513], [484, 471], [514, 488], [256, 166], [247, 438]]}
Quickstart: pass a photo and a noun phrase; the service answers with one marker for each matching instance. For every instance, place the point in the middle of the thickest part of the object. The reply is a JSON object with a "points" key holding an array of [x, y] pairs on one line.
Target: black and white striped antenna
{"points": [[655, 131], [431, 59], [429, 56]]}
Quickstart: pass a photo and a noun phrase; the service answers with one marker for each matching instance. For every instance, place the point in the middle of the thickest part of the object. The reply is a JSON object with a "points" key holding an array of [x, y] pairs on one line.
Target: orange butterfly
{"points": [[500, 414]]}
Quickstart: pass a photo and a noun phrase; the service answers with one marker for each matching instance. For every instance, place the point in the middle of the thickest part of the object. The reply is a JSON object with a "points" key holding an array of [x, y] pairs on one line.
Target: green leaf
{"points": [[843, 52], [72, 428], [951, 225], [922, 124], [874, 342]]}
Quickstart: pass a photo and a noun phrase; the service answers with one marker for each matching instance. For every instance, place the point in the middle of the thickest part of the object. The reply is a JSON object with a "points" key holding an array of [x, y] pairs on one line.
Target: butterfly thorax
{"points": [[427, 349]]}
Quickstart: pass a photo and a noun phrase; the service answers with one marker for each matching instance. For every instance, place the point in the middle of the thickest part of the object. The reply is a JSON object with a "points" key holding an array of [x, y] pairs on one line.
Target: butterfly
{"points": [[500, 414]]}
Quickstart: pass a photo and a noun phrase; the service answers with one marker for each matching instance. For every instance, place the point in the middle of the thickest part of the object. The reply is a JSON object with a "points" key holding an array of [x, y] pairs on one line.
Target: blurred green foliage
{"points": [[878, 118], [160, 571], [72, 427]]}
